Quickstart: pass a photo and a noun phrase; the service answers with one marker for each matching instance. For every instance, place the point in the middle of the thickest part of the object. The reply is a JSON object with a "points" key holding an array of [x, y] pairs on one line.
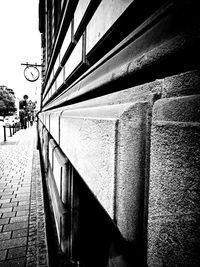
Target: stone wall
{"points": [[129, 126], [173, 227]]}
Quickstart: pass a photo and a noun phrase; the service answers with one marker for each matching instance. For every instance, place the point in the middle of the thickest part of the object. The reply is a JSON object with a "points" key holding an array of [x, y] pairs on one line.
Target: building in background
{"points": [[119, 129]]}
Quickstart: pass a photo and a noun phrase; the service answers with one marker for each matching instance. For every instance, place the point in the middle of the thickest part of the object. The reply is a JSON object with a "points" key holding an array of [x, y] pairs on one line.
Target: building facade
{"points": [[119, 130]]}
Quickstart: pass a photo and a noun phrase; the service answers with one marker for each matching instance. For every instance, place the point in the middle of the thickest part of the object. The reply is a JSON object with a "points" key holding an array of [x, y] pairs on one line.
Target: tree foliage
{"points": [[7, 103]]}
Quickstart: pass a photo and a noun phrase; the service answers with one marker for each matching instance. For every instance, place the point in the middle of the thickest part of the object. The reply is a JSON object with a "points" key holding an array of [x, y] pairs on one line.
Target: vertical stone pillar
{"points": [[174, 189]]}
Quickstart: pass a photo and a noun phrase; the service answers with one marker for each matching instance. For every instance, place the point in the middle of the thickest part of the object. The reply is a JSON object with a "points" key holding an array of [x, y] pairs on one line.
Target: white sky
{"points": [[20, 42]]}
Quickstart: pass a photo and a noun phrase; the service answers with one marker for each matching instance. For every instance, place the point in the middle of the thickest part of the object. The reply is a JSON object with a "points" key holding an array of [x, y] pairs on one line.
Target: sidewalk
{"points": [[22, 221]]}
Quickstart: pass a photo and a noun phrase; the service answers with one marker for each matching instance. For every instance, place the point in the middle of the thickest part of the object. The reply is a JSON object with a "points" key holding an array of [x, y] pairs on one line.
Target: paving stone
{"points": [[24, 191], [14, 184], [4, 200], [26, 184], [5, 235], [32, 250], [32, 259], [11, 243], [25, 198], [3, 184], [8, 191], [43, 259], [4, 221], [3, 254], [16, 252], [8, 214], [20, 233], [15, 226], [22, 203], [19, 219], [6, 194], [14, 187], [21, 207], [23, 213], [9, 209], [21, 241], [13, 263], [22, 194], [4, 205]]}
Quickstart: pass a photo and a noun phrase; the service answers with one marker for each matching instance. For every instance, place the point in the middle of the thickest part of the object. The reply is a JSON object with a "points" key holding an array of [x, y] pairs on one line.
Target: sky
{"points": [[20, 42]]}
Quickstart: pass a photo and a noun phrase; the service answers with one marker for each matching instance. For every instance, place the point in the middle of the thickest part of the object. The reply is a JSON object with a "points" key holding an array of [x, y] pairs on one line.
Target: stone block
{"points": [[9, 209], [4, 221], [7, 196], [3, 255], [103, 20], [7, 200], [13, 263], [23, 213], [14, 253], [174, 241], [15, 226], [57, 172], [11, 243], [173, 225], [8, 204], [187, 83], [19, 219], [22, 207], [5, 235], [21, 198], [20, 233], [22, 203], [8, 214], [178, 109], [55, 125], [104, 140]]}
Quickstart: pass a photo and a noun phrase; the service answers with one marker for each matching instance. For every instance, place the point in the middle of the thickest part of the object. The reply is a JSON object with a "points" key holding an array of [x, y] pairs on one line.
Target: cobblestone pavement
{"points": [[22, 219]]}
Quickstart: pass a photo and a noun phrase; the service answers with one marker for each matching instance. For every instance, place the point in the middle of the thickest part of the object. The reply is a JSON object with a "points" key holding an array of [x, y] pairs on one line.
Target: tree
{"points": [[2, 107], [7, 103]]}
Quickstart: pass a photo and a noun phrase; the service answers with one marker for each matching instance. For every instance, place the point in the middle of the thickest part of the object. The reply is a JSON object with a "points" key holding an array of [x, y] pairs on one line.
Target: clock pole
{"points": [[29, 64]]}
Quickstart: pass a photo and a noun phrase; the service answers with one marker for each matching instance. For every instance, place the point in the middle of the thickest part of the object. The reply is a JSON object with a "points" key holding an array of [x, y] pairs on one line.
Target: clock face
{"points": [[31, 73]]}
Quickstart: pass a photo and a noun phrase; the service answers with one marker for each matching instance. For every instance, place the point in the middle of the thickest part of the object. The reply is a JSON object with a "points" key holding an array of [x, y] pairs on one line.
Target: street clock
{"points": [[31, 73]]}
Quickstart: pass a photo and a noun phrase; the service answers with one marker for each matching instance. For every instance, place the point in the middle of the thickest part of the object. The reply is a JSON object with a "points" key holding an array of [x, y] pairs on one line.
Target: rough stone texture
{"points": [[173, 227], [16, 252], [5, 235], [110, 145], [106, 132], [10, 243], [133, 130], [101, 157], [88, 157], [187, 83]]}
